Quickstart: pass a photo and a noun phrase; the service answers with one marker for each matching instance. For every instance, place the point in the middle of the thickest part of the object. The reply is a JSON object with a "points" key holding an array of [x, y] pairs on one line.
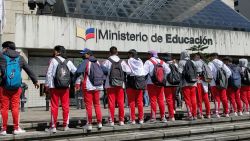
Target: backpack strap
{"points": [[66, 61], [58, 60], [161, 62], [151, 60]]}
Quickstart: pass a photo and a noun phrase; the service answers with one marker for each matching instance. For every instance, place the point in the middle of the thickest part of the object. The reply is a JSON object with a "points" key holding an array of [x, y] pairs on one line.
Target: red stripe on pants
{"points": [[234, 98], [116, 94], [202, 97], [156, 96], [245, 96], [89, 97], [63, 95], [220, 95], [189, 93], [170, 98], [10, 97], [135, 97]]}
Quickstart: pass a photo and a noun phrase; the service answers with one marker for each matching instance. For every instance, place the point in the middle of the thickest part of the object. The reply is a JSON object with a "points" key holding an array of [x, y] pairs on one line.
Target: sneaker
{"points": [[141, 122], [99, 126], [194, 118], [200, 116], [152, 120], [246, 113], [172, 119], [235, 114], [88, 127], [208, 116], [133, 122], [164, 120], [3, 133], [19, 131], [112, 124], [51, 130], [240, 114], [216, 115], [65, 128], [121, 123], [226, 115]]}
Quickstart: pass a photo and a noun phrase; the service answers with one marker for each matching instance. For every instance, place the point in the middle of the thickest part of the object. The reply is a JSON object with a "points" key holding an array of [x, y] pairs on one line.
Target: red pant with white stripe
{"points": [[10, 97], [189, 93], [116, 94], [63, 95], [245, 96], [135, 97], [89, 97], [234, 98], [202, 96], [220, 95], [156, 96], [170, 98]]}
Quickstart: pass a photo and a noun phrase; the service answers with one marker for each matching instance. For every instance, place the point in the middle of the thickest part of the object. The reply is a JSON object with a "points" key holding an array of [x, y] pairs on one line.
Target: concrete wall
{"points": [[230, 3], [244, 8]]}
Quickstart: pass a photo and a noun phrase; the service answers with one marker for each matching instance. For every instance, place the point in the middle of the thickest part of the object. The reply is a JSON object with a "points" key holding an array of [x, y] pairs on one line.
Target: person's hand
{"points": [[36, 85], [77, 87], [46, 89]]}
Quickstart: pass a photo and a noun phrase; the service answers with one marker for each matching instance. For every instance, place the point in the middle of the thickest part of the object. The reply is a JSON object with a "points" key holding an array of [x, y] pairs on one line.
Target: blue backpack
{"points": [[96, 75], [13, 78], [235, 78]]}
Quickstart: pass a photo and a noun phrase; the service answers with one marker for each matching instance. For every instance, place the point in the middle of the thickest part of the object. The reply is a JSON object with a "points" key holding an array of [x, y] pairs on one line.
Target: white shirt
{"points": [[136, 66], [52, 71]]}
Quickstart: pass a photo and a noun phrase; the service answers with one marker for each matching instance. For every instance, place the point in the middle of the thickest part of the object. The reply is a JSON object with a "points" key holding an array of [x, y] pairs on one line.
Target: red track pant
{"points": [[10, 98], [170, 98], [156, 96], [116, 94], [189, 93], [234, 98], [245, 96], [63, 95], [135, 97], [202, 97], [89, 97], [220, 95]]}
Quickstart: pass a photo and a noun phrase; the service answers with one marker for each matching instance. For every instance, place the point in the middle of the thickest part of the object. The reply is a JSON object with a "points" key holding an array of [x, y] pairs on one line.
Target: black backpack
{"points": [[245, 76], [62, 77], [136, 82], [174, 77], [190, 72], [96, 75], [116, 76]]}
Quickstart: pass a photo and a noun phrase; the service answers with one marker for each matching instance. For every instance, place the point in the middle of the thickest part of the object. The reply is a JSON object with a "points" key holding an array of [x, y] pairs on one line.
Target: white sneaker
{"points": [[88, 127], [164, 120], [65, 128], [152, 120], [246, 113], [112, 124], [3, 133], [121, 123], [19, 131], [226, 115], [99, 126], [200, 116], [133, 122], [141, 122], [240, 114], [172, 119], [208, 116], [51, 130], [216, 115], [235, 114]]}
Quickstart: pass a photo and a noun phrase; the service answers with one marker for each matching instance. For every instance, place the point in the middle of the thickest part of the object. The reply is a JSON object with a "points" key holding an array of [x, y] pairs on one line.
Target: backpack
{"points": [[116, 77], [174, 77], [221, 80], [96, 75], [207, 73], [235, 78], [190, 72], [12, 78], [158, 77], [245, 76], [136, 82], [62, 77]]}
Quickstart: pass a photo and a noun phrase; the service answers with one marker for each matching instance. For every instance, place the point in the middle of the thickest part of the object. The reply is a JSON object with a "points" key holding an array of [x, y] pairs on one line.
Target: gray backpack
{"points": [[62, 77], [116, 76], [221, 80], [206, 73]]}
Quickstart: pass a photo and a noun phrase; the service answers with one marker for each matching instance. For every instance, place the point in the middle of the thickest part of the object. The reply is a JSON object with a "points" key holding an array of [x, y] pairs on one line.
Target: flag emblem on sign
{"points": [[85, 35]]}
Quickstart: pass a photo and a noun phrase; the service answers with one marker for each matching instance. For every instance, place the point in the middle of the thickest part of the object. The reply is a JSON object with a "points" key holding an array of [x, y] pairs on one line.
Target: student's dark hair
{"points": [[113, 50], [9, 44], [214, 55], [133, 53], [227, 58], [61, 50]]}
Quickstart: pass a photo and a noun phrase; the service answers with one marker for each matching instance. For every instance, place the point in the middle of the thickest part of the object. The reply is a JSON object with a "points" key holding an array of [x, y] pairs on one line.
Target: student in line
{"points": [[91, 79], [188, 84], [11, 65], [171, 87], [155, 83], [234, 84], [218, 91], [202, 87], [245, 84], [136, 83], [115, 68], [57, 82]]}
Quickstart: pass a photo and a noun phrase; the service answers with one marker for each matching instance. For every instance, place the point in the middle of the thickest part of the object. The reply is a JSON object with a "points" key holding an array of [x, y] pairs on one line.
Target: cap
{"points": [[86, 51], [153, 53]]}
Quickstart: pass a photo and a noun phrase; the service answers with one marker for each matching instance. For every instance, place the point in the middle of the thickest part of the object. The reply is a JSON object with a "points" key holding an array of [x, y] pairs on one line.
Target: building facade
{"points": [[242, 6]]}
